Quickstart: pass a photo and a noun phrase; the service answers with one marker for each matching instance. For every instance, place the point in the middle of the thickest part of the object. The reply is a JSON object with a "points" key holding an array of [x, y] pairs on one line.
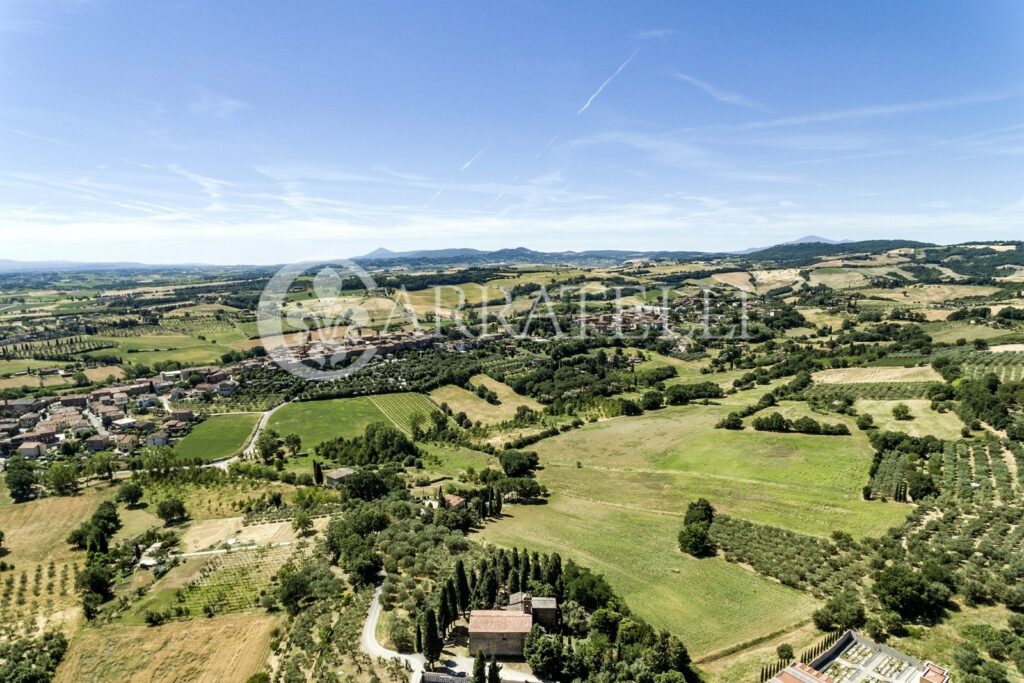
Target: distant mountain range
{"points": [[383, 254], [811, 245]]}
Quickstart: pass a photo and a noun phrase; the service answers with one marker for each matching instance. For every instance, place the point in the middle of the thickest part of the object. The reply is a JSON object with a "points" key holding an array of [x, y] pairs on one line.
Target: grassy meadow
{"points": [[476, 408], [225, 648], [317, 421], [925, 420], [636, 551], [219, 436], [662, 460]]}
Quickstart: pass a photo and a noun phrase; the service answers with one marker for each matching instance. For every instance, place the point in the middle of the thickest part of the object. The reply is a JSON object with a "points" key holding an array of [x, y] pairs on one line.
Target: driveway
{"points": [[456, 666]]}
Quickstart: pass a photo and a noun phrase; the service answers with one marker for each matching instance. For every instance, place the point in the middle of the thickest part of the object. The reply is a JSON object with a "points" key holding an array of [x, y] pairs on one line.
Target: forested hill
{"points": [[806, 253]]}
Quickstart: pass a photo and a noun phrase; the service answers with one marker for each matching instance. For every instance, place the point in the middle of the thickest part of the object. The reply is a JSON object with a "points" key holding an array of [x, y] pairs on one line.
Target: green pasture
{"points": [[316, 421], [709, 603], [8, 367], [219, 436], [155, 348], [925, 421], [660, 461]]}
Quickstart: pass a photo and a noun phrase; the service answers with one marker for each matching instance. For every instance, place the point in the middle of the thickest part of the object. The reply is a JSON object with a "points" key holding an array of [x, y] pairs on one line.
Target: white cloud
{"points": [[654, 34], [719, 94], [875, 111], [209, 103]]}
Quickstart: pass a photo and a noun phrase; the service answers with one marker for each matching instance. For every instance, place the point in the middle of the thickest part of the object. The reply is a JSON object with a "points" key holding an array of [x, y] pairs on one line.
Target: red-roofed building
{"points": [[498, 633]]}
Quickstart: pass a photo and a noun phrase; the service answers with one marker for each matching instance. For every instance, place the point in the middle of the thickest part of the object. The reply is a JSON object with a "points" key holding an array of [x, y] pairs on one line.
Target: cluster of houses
{"points": [[635, 319], [387, 345], [117, 418], [502, 632], [856, 659]]}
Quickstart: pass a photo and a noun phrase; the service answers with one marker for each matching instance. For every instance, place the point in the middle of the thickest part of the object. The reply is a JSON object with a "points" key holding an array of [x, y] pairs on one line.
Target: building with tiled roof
{"points": [[498, 633], [855, 659]]}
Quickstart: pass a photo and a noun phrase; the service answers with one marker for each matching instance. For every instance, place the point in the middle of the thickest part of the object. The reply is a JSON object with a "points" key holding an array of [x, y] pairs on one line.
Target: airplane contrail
{"points": [[605, 84]]}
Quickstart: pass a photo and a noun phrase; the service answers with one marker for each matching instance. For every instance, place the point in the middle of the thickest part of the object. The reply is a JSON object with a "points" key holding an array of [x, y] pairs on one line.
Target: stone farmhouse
{"points": [[502, 632]]}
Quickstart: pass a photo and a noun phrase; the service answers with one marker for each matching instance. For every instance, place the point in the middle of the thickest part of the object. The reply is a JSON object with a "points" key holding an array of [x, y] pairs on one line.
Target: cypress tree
{"points": [[553, 569], [479, 669], [419, 637], [444, 616], [452, 598], [494, 672], [514, 584], [462, 585], [431, 639]]}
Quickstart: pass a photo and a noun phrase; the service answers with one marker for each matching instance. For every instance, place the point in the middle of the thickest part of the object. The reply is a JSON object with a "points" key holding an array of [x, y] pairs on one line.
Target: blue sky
{"points": [[262, 132]]}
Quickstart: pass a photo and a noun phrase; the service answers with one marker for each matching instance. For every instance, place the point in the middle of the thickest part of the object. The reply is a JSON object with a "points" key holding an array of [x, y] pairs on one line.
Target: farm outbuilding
{"points": [[335, 478]]}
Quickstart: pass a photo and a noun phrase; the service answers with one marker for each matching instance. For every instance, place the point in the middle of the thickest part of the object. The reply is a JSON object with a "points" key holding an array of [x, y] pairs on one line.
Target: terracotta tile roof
{"points": [[499, 621], [934, 674], [801, 673]]}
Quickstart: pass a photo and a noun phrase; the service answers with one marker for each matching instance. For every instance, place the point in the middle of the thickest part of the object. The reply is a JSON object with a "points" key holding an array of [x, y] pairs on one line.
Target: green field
{"points": [[8, 367], [154, 348], [950, 331], [476, 408], [660, 461], [400, 408], [317, 421], [636, 551], [450, 461], [219, 436], [620, 488], [926, 421]]}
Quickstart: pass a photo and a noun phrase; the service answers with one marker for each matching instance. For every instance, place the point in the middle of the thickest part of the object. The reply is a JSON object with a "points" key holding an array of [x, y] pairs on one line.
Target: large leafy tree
{"points": [[21, 478], [171, 510]]}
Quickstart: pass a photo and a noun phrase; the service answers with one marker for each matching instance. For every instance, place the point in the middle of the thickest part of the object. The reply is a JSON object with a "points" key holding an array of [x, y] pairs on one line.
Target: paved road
{"points": [[96, 423], [457, 666], [260, 426]]}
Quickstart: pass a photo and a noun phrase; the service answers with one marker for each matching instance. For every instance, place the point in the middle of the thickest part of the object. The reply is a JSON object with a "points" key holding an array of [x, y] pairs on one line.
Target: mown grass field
{"points": [[951, 331], [926, 421], [660, 461], [317, 421], [150, 349], [8, 367], [225, 649], [461, 400], [877, 374], [36, 531], [636, 551], [449, 461], [219, 436], [930, 294]]}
